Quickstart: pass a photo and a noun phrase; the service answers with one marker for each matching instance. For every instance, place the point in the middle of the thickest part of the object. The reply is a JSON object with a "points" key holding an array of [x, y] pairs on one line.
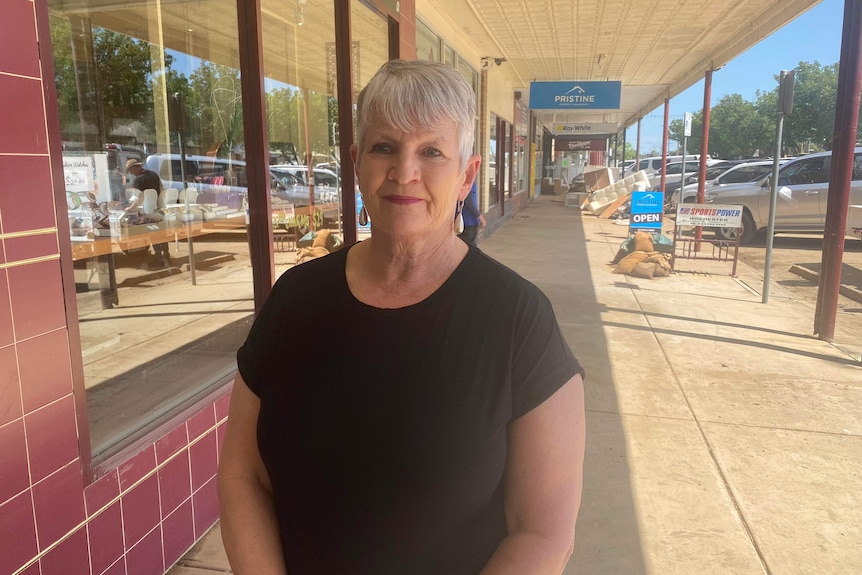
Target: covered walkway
{"points": [[722, 437]]}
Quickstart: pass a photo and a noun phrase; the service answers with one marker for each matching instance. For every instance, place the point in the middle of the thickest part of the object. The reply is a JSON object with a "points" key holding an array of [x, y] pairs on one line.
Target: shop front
{"points": [[132, 267]]}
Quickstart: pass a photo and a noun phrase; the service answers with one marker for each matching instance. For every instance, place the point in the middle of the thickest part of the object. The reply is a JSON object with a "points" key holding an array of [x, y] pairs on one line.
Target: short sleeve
{"points": [[262, 340], [542, 361]]}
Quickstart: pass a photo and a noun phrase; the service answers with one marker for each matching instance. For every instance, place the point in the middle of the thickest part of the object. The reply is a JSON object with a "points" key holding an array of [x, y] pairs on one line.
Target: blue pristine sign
{"points": [[647, 209], [575, 95]]}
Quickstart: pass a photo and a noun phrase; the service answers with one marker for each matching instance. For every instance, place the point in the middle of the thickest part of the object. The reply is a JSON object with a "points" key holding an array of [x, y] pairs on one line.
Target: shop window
{"points": [[506, 167], [493, 191], [427, 43], [449, 56], [162, 276]]}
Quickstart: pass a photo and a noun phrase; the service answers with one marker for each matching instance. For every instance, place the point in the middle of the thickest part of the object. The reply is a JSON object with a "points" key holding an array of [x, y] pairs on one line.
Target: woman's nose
{"points": [[404, 170]]}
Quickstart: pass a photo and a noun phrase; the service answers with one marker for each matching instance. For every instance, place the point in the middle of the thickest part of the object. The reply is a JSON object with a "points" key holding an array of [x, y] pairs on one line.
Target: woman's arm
{"points": [[248, 522], [543, 485]]}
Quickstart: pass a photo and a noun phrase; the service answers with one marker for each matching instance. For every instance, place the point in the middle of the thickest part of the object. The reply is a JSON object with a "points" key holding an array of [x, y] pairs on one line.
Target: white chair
{"points": [[168, 197], [189, 195], [151, 201]]}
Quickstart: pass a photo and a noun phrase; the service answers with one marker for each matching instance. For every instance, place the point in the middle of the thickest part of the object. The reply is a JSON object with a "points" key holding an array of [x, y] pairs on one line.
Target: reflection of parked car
{"points": [[803, 184], [322, 176], [217, 180], [721, 176], [288, 186]]}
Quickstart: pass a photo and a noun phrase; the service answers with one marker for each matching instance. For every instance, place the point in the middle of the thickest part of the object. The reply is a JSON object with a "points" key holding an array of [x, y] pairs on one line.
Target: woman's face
{"points": [[411, 181]]}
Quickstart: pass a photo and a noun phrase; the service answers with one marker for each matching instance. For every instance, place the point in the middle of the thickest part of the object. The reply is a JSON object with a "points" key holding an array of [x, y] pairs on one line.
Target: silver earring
{"points": [[459, 218], [363, 216]]}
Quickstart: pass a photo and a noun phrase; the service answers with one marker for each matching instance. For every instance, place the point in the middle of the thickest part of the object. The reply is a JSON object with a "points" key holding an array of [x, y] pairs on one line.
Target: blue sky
{"points": [[815, 35]]}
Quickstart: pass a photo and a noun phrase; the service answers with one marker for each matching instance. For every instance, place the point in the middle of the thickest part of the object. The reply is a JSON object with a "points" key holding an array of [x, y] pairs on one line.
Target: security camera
{"points": [[499, 61]]}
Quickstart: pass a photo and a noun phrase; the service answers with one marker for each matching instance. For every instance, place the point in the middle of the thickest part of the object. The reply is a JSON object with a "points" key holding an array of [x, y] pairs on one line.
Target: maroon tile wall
{"points": [[27, 201], [70, 556], [141, 515]]}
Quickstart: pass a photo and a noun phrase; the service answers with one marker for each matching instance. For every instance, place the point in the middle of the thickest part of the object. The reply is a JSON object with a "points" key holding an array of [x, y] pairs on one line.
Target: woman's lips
{"points": [[402, 200]]}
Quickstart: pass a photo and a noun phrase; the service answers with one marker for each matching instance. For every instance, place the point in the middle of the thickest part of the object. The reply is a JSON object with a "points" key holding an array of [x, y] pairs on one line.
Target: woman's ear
{"points": [[471, 172], [354, 154]]}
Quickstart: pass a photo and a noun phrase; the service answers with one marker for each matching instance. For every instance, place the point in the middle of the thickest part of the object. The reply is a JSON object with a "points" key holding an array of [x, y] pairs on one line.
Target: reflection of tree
{"points": [[286, 119], [113, 91], [215, 102]]}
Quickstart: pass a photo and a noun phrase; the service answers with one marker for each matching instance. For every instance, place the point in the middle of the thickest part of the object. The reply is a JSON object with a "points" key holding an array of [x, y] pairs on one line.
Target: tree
{"points": [[737, 130], [677, 127], [813, 117]]}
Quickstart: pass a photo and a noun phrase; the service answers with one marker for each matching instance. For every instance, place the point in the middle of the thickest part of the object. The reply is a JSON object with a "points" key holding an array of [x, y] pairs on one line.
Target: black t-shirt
{"points": [[384, 430]]}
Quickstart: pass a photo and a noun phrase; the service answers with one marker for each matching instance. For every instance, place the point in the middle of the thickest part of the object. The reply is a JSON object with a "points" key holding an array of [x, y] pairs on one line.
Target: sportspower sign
{"points": [[709, 215], [575, 95]]}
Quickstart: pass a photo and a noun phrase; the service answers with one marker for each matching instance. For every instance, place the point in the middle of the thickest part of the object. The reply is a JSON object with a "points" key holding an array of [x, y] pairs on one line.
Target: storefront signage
{"points": [[575, 95], [709, 215], [646, 211], [575, 145], [584, 129]]}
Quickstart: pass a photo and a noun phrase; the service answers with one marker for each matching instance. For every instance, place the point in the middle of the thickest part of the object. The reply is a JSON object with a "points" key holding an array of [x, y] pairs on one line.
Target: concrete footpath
{"points": [[722, 437]]}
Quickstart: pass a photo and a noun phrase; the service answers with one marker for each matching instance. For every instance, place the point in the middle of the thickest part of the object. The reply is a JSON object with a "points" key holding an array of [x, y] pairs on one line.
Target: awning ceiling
{"points": [[656, 48]]}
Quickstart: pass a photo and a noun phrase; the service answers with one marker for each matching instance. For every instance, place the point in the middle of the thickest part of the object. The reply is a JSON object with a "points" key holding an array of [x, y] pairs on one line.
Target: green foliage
{"points": [[740, 128]]}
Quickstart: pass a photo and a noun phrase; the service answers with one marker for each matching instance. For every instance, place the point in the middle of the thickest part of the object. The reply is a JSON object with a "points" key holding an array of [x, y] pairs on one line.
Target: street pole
{"points": [[785, 102]]}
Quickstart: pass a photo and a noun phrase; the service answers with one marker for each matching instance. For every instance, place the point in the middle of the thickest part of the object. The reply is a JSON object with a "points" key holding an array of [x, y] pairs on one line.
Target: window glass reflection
{"points": [[161, 266]]}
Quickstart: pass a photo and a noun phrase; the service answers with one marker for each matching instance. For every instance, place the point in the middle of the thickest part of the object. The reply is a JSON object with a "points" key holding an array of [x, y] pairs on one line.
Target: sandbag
{"points": [[644, 270], [643, 242], [630, 261]]}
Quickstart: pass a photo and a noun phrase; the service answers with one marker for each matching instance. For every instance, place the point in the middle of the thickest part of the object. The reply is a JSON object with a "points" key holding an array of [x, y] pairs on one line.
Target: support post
{"points": [[256, 147], [704, 150], [843, 146], [344, 74], [638, 148], [664, 139]]}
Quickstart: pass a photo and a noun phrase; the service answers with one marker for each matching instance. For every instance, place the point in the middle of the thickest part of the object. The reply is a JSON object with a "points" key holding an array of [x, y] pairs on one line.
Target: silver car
{"points": [[803, 186]]}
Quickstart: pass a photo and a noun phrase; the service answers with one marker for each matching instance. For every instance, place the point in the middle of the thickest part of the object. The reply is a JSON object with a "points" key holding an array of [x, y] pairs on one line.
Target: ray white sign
{"points": [[584, 128]]}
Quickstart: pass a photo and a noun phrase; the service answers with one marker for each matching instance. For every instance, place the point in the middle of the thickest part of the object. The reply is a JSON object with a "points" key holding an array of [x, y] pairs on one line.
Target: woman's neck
{"points": [[387, 273]]}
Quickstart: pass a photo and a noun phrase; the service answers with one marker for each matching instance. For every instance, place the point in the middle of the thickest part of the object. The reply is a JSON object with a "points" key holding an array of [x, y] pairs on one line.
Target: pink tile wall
{"points": [[139, 517]]}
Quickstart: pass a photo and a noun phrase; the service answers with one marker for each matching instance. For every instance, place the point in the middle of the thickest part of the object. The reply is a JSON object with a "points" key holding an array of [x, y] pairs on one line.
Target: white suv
{"points": [[724, 176], [803, 186]]}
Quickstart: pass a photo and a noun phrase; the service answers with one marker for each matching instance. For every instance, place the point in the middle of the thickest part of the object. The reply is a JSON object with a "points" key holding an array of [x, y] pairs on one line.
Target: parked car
{"points": [[721, 176], [654, 163], [673, 171], [803, 185]]}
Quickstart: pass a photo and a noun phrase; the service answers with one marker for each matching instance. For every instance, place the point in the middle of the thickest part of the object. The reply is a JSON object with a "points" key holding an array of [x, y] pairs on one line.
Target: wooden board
{"points": [[613, 207]]}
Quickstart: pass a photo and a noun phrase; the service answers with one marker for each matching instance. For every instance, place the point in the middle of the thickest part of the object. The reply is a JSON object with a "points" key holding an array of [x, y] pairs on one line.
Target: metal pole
{"points": [[773, 200], [704, 150], [843, 146], [638, 148], [623, 169], [684, 153], [664, 144]]}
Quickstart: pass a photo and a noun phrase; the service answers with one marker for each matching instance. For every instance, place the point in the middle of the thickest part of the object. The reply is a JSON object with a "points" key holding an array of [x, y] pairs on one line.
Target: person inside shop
{"points": [[407, 404], [472, 217], [142, 179]]}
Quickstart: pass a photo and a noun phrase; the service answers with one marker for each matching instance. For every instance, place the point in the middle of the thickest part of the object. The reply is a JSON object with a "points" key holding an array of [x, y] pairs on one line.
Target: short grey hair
{"points": [[415, 95]]}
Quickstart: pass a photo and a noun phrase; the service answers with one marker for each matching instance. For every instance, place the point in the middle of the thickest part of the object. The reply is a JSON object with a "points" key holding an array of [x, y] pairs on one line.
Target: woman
{"points": [[407, 405]]}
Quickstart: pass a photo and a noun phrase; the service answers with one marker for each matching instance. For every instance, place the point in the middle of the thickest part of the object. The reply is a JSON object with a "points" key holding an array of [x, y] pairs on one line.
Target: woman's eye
{"points": [[381, 148], [433, 152]]}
